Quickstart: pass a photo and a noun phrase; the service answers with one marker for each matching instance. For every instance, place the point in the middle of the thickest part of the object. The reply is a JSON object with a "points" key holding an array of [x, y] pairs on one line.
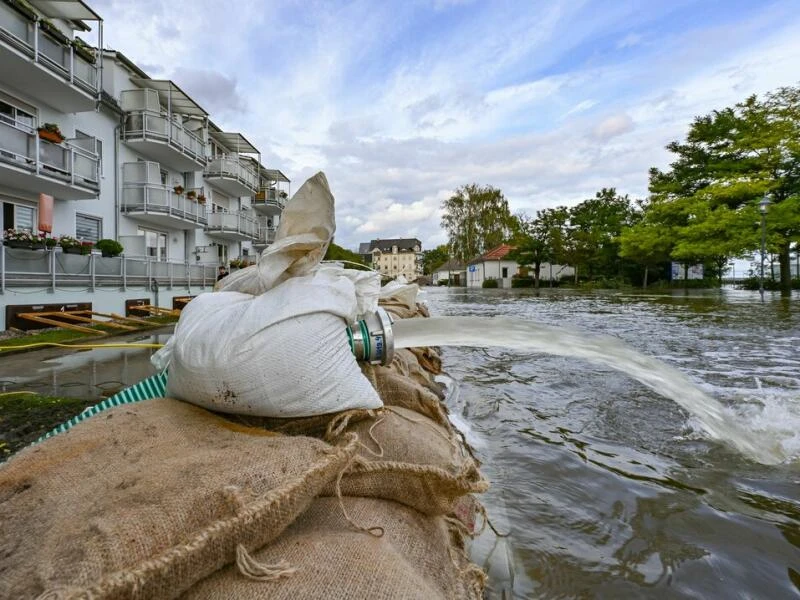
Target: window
{"points": [[88, 228], [18, 216], [155, 244], [16, 116], [92, 144]]}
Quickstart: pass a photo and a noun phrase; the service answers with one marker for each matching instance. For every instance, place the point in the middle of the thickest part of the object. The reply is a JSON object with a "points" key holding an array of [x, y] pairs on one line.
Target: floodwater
{"points": [[89, 374], [607, 488]]}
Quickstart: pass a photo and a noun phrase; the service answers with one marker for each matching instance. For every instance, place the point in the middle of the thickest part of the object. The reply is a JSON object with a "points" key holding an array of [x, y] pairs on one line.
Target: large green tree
{"points": [[730, 160], [595, 227], [476, 218], [434, 258]]}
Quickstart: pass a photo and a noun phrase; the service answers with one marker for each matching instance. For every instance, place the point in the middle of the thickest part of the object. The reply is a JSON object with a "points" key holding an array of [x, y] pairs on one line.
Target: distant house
{"points": [[496, 265], [393, 257], [492, 265], [450, 273]]}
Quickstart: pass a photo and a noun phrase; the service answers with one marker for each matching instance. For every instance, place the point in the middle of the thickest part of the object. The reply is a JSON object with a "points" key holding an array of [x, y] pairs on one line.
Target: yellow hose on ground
{"points": [[80, 346]]}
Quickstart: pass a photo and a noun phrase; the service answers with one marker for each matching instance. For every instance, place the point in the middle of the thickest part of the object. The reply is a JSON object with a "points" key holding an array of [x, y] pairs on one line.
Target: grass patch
{"points": [[25, 417], [60, 336]]}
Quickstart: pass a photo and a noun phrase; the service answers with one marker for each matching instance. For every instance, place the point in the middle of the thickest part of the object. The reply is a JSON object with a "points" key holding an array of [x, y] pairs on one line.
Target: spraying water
{"points": [[516, 334]]}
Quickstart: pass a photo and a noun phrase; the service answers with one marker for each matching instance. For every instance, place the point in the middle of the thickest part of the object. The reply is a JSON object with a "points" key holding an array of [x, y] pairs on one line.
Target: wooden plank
{"points": [[37, 318]]}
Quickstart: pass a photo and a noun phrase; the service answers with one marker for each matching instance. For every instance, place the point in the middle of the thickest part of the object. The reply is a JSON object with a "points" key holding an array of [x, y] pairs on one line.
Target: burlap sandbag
{"points": [[415, 558], [406, 457], [145, 499]]}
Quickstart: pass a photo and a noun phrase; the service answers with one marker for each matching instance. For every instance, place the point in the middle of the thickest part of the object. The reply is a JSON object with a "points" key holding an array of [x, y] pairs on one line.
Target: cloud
{"points": [[211, 89], [418, 98], [612, 127]]}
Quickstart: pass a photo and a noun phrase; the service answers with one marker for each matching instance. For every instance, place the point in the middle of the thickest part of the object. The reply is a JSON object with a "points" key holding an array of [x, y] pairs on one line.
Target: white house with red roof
{"points": [[495, 264]]}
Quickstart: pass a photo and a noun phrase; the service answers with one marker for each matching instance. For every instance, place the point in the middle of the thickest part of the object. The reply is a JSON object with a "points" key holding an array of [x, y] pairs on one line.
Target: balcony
{"points": [[269, 201], [146, 199], [43, 63], [266, 234], [232, 226], [229, 175], [68, 170], [159, 135]]}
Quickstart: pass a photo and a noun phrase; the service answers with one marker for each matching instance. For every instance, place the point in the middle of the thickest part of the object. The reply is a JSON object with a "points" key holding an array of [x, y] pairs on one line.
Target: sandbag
{"points": [[406, 457], [143, 500], [282, 354], [272, 342], [417, 557]]}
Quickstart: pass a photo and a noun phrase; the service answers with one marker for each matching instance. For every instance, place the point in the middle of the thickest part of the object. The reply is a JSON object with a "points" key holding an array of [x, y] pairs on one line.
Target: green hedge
{"points": [[521, 282], [490, 283]]}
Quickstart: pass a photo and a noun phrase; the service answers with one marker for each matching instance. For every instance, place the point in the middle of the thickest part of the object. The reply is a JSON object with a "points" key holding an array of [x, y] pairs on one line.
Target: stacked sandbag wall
{"points": [[163, 499]]}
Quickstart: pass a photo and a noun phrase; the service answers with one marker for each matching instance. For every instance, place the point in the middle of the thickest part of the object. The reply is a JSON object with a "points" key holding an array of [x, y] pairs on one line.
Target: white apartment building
{"points": [[140, 162], [393, 257]]}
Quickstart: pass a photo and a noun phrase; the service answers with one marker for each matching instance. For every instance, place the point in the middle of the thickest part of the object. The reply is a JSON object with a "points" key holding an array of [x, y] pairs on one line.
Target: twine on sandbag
{"points": [[338, 424], [252, 569], [376, 530]]}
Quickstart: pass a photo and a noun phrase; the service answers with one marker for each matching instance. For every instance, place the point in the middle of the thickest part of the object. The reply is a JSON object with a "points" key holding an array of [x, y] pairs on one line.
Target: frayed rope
{"points": [[252, 569]]}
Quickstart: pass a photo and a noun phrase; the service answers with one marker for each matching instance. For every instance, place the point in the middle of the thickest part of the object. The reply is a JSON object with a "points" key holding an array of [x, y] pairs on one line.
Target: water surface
{"points": [[610, 490]]}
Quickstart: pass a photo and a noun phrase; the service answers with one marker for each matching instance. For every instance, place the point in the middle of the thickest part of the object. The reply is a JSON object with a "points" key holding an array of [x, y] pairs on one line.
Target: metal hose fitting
{"points": [[372, 339]]}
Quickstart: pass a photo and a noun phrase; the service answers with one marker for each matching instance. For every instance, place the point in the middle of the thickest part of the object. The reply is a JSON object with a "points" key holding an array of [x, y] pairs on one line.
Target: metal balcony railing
{"points": [[147, 125], [234, 222], [270, 197], [51, 49], [231, 167], [54, 269], [74, 161], [159, 199]]}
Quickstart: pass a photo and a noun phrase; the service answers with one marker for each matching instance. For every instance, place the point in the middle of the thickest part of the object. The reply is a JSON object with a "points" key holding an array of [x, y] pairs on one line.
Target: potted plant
{"points": [[191, 194], [51, 133], [53, 31], [50, 242], [109, 248], [201, 199], [18, 238], [178, 189], [71, 245]]}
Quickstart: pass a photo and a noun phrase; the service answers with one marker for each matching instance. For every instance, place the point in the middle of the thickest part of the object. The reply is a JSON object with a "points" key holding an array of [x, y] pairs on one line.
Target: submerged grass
{"points": [[13, 345], [26, 416]]}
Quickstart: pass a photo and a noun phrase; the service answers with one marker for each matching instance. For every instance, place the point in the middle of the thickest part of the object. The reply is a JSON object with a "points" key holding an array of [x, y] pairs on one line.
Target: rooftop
{"points": [[497, 253]]}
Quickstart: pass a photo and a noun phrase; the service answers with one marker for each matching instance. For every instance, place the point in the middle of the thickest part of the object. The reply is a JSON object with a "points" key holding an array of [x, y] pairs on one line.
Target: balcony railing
{"points": [[54, 269], [74, 161], [270, 197], [159, 199], [267, 234], [232, 222], [145, 125], [51, 49], [230, 167]]}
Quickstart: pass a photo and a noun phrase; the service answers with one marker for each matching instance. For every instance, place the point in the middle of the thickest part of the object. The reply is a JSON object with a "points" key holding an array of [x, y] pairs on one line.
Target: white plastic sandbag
{"points": [[280, 349]]}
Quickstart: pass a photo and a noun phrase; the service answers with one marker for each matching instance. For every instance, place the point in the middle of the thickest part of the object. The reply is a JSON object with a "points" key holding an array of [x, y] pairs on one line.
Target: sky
{"points": [[402, 102]]}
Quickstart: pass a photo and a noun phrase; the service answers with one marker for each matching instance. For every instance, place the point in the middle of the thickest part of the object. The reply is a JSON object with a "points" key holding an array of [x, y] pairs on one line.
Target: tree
{"points": [[595, 227], [476, 218], [335, 252], [730, 160], [532, 243], [435, 258]]}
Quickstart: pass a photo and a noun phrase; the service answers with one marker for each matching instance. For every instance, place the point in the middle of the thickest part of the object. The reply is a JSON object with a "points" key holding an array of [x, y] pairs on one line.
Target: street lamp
{"points": [[762, 208]]}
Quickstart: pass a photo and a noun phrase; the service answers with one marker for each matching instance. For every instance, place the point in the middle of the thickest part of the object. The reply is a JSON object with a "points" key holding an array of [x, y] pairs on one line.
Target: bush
{"points": [[490, 283], [109, 247], [522, 282]]}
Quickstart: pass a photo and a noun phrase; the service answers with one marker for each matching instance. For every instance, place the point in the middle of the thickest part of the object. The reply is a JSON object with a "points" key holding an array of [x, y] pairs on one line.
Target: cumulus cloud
{"points": [[403, 109], [612, 127], [211, 89]]}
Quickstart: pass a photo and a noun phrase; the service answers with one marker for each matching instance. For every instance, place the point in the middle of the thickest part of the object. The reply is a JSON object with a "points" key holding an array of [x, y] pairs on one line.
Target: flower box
{"points": [[50, 136]]}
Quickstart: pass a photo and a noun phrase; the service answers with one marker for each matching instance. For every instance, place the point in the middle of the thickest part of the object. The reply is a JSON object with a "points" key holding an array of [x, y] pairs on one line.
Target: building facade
{"points": [[495, 264], [393, 257], [93, 148]]}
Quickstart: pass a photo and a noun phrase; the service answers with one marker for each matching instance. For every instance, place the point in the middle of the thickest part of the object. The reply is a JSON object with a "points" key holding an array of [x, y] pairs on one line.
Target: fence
{"points": [[54, 268]]}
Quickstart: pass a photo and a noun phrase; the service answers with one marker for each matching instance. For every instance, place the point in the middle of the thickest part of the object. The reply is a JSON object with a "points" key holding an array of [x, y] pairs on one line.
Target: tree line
{"points": [[705, 208]]}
